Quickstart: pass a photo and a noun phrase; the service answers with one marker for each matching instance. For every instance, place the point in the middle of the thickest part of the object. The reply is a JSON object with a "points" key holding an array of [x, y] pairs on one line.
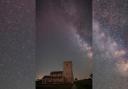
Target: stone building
{"points": [[68, 73], [60, 77]]}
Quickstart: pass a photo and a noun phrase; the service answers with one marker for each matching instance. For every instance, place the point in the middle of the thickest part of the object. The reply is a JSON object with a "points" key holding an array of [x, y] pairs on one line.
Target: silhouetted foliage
{"points": [[91, 76], [76, 79], [84, 84]]}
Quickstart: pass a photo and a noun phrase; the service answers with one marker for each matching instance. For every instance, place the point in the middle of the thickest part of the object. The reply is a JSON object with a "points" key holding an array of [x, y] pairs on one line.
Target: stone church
{"points": [[60, 77]]}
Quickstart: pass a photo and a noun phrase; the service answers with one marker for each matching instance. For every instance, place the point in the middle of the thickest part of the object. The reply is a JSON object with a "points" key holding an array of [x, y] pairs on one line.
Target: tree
{"points": [[91, 76]]}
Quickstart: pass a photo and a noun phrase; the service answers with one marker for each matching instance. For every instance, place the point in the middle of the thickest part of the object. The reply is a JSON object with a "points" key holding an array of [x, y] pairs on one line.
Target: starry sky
{"points": [[110, 43], [17, 44], [64, 32]]}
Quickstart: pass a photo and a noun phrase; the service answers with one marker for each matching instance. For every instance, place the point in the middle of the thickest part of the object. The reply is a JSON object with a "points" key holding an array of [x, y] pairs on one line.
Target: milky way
{"points": [[110, 42], [64, 34]]}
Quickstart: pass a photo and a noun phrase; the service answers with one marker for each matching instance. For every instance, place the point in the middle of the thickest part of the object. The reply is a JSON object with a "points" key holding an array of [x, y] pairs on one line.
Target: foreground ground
{"points": [[54, 86], [80, 84]]}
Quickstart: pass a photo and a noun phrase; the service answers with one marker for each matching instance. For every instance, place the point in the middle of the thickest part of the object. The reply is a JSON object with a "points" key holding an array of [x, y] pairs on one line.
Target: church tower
{"points": [[68, 73]]}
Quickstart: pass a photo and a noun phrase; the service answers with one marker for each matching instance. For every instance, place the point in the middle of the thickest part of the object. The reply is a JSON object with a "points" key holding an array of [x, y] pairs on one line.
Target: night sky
{"points": [[17, 44], [110, 43], [64, 32]]}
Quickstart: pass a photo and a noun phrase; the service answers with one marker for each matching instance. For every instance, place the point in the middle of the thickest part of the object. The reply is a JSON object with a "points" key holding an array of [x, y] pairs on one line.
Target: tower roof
{"points": [[67, 61]]}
